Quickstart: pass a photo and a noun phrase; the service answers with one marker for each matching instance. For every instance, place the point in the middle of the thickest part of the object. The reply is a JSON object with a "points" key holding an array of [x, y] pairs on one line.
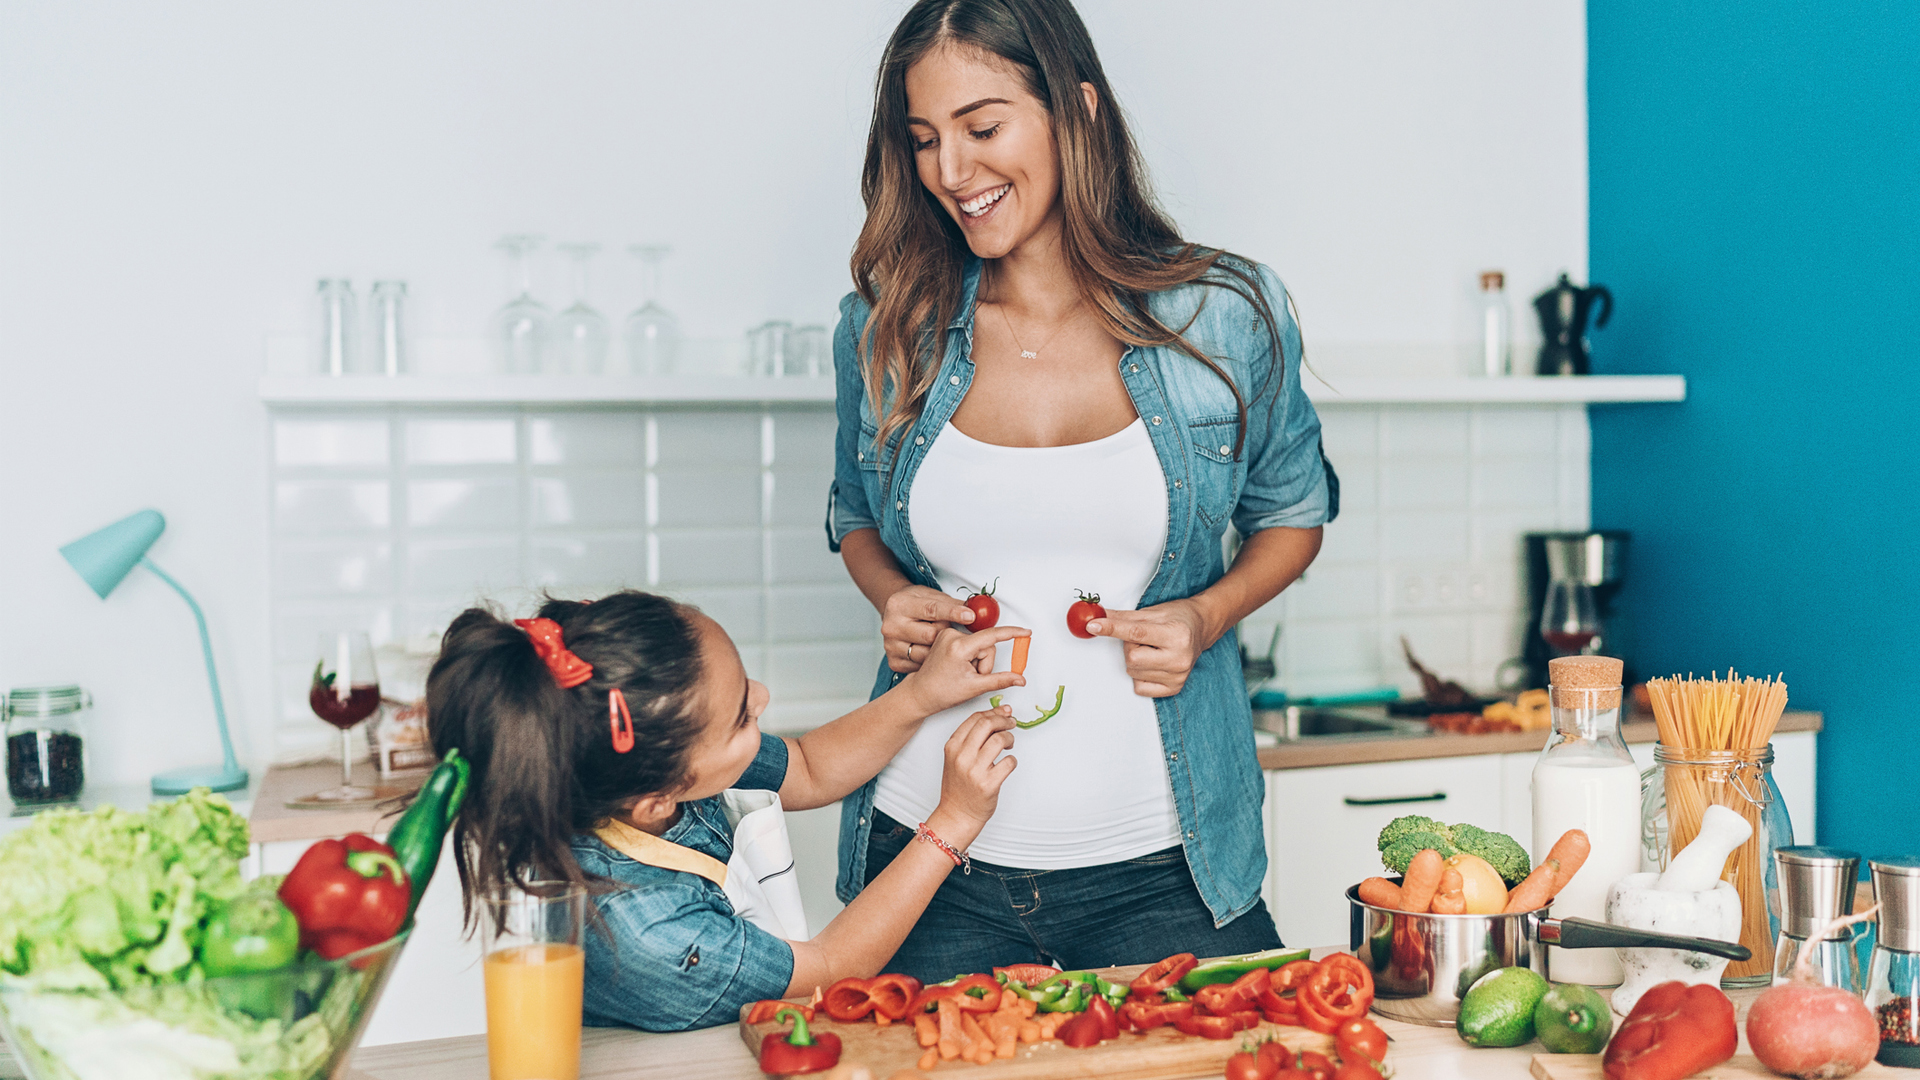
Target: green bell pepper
{"points": [[1225, 971], [1059, 696], [1072, 998], [252, 932]]}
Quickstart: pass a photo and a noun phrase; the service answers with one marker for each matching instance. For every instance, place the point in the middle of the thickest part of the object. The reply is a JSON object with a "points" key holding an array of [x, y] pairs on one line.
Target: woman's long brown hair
{"points": [[909, 262]]}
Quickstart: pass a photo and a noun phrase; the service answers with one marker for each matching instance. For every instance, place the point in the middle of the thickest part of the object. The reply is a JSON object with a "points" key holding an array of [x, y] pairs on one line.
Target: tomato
{"points": [[986, 610], [1027, 974], [1318, 1066], [1245, 1066], [1357, 1070], [1084, 610], [1277, 1054], [1361, 1038]]}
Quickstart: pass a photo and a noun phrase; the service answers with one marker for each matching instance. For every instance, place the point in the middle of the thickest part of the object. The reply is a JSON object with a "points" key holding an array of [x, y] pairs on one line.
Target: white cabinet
{"points": [[1323, 825]]}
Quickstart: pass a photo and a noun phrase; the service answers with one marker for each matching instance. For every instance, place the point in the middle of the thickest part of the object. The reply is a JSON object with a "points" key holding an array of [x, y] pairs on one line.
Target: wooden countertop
{"points": [[272, 819], [1310, 753]]}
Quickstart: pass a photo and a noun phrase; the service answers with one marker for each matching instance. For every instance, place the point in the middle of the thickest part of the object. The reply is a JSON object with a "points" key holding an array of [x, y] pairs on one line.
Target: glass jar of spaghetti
{"points": [[1674, 796]]}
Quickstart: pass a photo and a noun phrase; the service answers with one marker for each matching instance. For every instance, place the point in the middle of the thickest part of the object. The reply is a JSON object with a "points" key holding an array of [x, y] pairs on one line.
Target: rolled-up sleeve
{"points": [[847, 508], [1289, 481], [769, 768], [678, 959]]}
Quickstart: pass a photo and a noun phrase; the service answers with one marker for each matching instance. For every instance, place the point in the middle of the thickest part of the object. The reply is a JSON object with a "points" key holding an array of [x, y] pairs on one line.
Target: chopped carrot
{"points": [[1020, 646], [881, 1019], [926, 1030], [1029, 1031], [970, 1037], [1009, 999], [1027, 1007], [927, 1061], [950, 1032]]}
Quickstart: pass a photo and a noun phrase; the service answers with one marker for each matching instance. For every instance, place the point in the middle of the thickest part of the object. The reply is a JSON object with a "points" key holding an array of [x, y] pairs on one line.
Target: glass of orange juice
{"points": [[535, 969]]}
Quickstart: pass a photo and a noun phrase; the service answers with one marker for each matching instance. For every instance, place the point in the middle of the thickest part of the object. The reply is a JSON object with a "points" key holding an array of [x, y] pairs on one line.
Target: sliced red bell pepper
{"points": [[1209, 1027], [1082, 1031], [1102, 1011], [893, 995], [848, 1000], [1674, 1030], [347, 895], [1147, 1015], [1244, 993], [799, 1050], [1163, 974], [975, 993], [1280, 1002], [1025, 974], [762, 1011], [1339, 990]]}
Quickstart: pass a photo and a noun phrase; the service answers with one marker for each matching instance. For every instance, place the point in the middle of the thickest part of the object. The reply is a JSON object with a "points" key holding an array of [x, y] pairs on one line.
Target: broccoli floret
{"points": [[1405, 837], [1501, 851]]}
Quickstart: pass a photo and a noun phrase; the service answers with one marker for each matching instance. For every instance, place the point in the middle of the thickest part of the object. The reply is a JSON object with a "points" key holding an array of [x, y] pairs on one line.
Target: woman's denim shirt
{"points": [[1279, 478]]}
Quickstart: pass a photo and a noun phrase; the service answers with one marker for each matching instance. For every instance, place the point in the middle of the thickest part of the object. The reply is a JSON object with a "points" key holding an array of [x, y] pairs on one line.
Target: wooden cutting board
{"points": [[1160, 1054], [1738, 1067]]}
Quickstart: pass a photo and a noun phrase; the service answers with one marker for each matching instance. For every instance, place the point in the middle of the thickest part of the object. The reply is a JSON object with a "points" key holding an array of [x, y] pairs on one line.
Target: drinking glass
{"points": [[345, 691], [535, 972], [810, 352], [768, 348], [338, 354], [1570, 620], [580, 334], [520, 328], [387, 339], [652, 333]]}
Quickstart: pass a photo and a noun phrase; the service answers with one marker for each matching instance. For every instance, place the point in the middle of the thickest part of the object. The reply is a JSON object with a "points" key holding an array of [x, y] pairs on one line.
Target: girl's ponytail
{"points": [[544, 764]]}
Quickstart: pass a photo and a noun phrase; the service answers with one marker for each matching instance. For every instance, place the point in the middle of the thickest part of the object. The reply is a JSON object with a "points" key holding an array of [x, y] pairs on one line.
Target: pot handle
{"points": [[1587, 934]]}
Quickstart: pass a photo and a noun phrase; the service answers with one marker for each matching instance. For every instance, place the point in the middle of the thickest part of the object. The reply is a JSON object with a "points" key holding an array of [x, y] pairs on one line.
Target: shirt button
{"points": [[1226, 449], [919, 440], [1189, 834], [1176, 483], [899, 504], [861, 456], [954, 379], [1175, 756], [923, 569], [863, 821], [1169, 556], [1156, 420], [1135, 368]]}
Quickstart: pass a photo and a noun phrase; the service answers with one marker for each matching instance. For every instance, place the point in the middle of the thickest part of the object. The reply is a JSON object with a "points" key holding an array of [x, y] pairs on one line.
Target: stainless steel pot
{"points": [[1423, 964]]}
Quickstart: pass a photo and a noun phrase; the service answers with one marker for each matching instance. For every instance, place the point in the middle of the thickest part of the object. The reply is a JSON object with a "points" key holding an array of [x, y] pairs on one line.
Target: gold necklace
{"points": [[1034, 354]]}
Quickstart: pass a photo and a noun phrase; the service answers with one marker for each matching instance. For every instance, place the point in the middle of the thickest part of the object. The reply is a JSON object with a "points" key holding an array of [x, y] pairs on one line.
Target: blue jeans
{"points": [[1132, 912]]}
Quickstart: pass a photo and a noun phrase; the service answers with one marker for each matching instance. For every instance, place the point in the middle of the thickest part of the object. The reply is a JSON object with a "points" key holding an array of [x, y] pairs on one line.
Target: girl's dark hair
{"points": [[544, 767], [909, 262]]}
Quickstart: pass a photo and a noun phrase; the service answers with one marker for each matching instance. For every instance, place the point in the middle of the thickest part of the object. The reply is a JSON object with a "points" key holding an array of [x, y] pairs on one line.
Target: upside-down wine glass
{"points": [[520, 328], [580, 334], [652, 333], [345, 691]]}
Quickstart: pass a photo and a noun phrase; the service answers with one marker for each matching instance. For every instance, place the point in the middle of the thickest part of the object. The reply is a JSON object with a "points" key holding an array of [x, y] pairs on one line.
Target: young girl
{"points": [[601, 735]]}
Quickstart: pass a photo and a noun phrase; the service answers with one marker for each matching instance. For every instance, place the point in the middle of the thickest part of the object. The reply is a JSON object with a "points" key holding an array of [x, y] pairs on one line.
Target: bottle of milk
{"points": [[1585, 779]]}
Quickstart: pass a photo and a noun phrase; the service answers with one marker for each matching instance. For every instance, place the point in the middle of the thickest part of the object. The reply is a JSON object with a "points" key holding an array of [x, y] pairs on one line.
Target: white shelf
{"points": [[310, 390]]}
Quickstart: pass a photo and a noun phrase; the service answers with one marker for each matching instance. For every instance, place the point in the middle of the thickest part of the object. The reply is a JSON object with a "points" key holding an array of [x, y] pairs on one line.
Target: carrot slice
{"points": [[926, 1030], [1029, 1031], [950, 1032], [927, 1061], [1020, 645]]}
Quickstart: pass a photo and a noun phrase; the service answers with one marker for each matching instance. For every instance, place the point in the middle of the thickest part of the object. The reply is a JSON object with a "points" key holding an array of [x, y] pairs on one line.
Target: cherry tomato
{"points": [[1245, 1066], [1357, 1070], [1084, 610], [1318, 1066], [986, 610], [1276, 1054], [1361, 1038]]}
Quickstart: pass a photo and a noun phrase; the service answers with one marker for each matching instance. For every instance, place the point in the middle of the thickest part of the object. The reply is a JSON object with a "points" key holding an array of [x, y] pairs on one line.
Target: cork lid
{"points": [[1572, 676]]}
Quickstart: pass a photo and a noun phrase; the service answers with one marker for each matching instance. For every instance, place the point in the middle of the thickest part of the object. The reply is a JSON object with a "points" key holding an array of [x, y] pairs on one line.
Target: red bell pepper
{"points": [[975, 993], [1210, 1027], [762, 1011], [1102, 1011], [1147, 1015], [1084, 1030], [1163, 974], [1674, 1030], [893, 995], [799, 1050], [1026, 974], [1280, 1002], [347, 895], [848, 999]]}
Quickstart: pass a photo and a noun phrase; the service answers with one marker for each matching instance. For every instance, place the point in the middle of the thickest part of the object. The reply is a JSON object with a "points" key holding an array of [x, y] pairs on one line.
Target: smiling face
{"points": [[984, 147]]}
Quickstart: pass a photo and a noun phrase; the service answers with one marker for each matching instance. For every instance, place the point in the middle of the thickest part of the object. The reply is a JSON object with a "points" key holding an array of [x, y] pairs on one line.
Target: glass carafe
{"points": [[1893, 978], [1742, 781], [1585, 779]]}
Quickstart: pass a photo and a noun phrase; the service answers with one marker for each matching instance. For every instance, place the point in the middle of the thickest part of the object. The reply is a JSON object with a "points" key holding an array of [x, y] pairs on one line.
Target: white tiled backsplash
{"points": [[395, 521]]}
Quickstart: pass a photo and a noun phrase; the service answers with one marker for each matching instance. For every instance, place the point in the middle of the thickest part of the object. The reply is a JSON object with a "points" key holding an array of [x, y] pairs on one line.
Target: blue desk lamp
{"points": [[104, 559]]}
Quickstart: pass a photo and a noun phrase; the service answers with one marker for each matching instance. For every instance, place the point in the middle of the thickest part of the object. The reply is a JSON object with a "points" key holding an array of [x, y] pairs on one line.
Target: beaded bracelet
{"points": [[959, 858]]}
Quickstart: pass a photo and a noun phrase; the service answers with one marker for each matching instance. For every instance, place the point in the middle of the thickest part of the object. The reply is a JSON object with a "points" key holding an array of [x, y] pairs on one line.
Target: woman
{"points": [[1042, 385]]}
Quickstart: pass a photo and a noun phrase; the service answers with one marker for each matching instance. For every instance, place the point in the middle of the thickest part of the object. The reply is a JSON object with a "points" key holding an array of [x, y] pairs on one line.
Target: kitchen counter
{"points": [[273, 820], [1359, 750]]}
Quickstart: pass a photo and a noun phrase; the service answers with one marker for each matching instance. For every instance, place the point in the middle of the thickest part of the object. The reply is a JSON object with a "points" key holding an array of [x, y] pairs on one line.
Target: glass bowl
{"points": [[297, 1023]]}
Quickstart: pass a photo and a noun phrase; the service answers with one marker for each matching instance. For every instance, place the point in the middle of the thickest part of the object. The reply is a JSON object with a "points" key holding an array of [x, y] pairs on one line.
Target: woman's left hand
{"points": [[1161, 642]]}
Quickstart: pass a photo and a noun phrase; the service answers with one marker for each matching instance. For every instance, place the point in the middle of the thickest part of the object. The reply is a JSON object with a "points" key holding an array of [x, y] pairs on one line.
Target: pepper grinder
{"points": [[1893, 987], [1816, 887]]}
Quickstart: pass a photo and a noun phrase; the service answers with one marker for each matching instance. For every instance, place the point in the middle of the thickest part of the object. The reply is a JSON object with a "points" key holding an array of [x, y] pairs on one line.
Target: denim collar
{"points": [[969, 294]]}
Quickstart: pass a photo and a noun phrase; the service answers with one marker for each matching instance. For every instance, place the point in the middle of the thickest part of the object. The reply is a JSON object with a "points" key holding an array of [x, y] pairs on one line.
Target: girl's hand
{"points": [[1161, 642], [958, 667], [910, 621], [970, 786]]}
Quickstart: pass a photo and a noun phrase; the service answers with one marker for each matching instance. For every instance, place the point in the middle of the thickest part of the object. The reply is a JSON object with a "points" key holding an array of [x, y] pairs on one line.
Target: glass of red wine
{"points": [[345, 691], [1570, 620]]}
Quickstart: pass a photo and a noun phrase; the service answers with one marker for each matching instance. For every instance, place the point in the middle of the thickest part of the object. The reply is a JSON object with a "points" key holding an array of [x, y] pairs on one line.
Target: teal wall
{"points": [[1755, 171]]}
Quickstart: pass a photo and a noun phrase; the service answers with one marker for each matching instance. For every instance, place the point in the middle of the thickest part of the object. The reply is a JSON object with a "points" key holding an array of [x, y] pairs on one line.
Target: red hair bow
{"points": [[568, 670]]}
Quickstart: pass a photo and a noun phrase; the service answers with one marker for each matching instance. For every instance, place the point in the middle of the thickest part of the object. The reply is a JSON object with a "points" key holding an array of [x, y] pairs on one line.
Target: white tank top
{"points": [[1091, 786]]}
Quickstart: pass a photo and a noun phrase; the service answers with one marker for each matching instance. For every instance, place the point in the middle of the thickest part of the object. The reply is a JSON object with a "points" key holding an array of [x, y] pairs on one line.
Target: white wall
{"points": [[174, 178]]}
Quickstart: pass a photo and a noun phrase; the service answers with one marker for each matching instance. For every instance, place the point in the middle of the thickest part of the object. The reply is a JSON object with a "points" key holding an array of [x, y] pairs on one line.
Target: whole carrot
{"points": [[1422, 881], [1452, 897], [1533, 893], [1571, 852], [1381, 893]]}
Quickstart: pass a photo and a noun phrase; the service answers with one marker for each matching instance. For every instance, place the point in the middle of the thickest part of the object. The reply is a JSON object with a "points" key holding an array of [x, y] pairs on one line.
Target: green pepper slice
{"points": [[1225, 971]]}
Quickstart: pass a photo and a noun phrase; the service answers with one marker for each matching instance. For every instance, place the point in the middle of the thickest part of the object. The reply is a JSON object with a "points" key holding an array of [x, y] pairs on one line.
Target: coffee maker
{"points": [[1564, 310], [1597, 557]]}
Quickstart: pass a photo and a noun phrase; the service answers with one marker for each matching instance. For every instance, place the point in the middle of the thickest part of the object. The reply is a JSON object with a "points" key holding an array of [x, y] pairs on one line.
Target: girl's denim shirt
{"points": [[1280, 478]]}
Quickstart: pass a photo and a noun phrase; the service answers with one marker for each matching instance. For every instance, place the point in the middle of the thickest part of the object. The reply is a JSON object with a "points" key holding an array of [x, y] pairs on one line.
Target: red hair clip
{"points": [[620, 720], [568, 670]]}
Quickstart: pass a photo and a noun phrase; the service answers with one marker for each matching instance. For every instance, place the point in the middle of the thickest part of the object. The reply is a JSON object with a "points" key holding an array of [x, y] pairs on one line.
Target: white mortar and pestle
{"points": [[1689, 898]]}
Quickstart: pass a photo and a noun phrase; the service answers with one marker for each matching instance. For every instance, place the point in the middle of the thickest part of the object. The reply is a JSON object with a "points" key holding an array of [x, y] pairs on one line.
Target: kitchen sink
{"points": [[1295, 724]]}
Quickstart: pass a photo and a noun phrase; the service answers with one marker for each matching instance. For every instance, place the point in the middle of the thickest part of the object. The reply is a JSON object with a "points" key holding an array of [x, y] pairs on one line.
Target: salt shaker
{"points": [[1893, 984], [1816, 887]]}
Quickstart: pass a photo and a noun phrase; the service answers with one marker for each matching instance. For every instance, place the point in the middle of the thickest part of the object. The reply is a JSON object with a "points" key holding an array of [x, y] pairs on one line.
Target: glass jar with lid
{"points": [[1893, 984], [46, 743]]}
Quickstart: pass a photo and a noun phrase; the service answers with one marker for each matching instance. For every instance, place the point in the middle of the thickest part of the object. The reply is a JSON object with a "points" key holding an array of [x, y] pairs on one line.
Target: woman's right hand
{"points": [[957, 668], [970, 786], [912, 618]]}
